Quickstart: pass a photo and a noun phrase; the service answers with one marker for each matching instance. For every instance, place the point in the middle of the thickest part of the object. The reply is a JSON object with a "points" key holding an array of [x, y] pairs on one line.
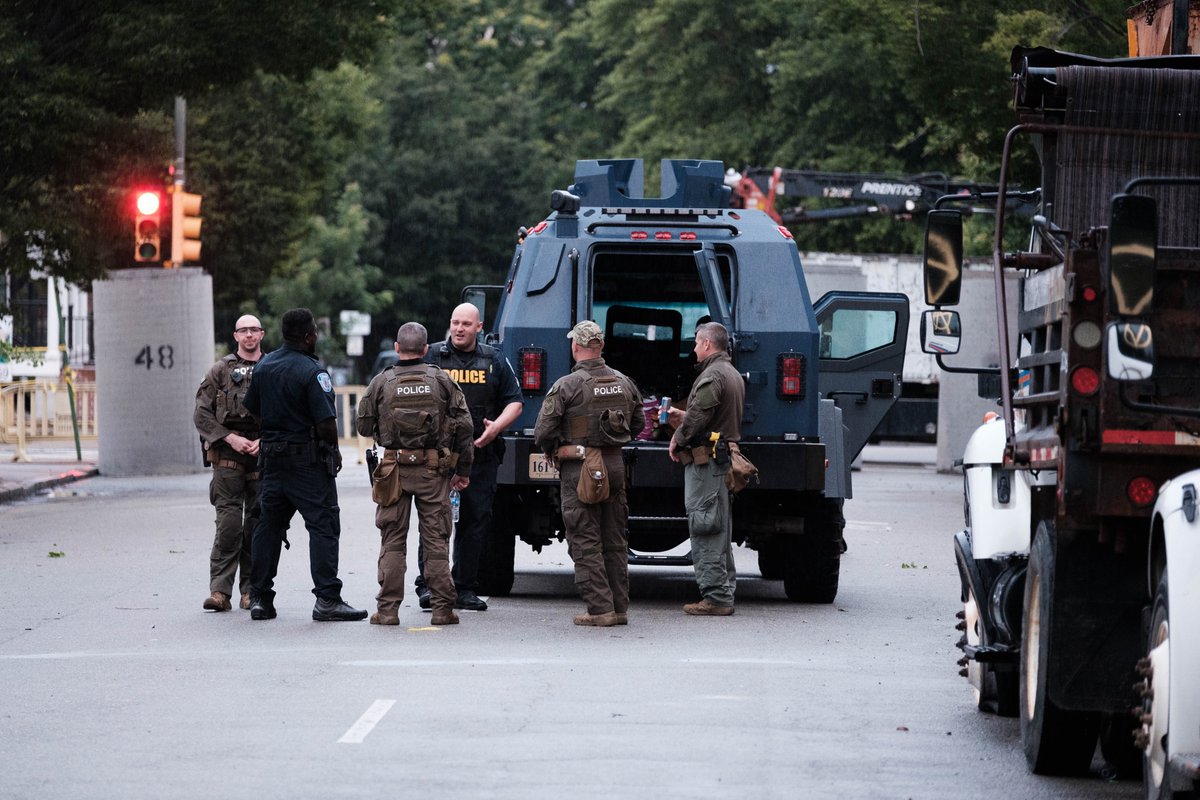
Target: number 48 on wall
{"points": [[165, 357]]}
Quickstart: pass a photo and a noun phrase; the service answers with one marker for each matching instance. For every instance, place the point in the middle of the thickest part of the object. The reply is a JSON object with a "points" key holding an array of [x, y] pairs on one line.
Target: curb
{"points": [[22, 492]]}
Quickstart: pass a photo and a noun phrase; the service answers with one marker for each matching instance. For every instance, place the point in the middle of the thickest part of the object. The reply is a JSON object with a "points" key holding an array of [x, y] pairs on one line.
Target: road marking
{"points": [[502, 662], [367, 722]]}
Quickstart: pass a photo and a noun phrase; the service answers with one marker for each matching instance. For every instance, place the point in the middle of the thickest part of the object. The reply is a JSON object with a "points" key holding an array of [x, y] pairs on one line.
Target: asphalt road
{"points": [[114, 683]]}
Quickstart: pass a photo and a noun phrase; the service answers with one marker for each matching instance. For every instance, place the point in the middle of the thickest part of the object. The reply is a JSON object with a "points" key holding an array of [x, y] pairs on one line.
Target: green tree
{"points": [[327, 275], [88, 90]]}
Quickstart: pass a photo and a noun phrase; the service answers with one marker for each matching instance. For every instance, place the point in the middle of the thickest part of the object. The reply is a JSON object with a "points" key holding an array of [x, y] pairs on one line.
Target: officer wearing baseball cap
{"points": [[586, 417]]}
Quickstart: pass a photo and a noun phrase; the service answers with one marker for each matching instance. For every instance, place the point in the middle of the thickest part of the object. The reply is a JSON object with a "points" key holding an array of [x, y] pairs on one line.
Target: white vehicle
{"points": [[1170, 715]]}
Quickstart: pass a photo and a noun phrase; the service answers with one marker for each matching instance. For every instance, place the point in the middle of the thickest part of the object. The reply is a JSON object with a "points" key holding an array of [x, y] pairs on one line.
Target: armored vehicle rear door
{"points": [[863, 338]]}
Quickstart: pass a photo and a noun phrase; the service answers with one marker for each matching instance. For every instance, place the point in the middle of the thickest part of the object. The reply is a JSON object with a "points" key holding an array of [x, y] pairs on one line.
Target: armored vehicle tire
{"points": [[1056, 741], [812, 561], [772, 556], [499, 547]]}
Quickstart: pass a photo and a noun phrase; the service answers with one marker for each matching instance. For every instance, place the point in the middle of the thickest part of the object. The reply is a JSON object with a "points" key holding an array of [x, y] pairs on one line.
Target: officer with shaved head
{"points": [[229, 434], [494, 398]]}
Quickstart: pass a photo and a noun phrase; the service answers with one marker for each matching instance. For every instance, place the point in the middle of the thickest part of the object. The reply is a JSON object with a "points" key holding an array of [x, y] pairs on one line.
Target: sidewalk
{"points": [[51, 463]]}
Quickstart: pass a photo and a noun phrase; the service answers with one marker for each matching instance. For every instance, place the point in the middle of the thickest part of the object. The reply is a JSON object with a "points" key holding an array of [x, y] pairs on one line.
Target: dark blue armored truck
{"points": [[818, 377]]}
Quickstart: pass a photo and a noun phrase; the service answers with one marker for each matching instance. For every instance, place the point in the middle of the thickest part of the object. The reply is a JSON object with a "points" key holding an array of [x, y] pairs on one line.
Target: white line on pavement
{"points": [[370, 718]]}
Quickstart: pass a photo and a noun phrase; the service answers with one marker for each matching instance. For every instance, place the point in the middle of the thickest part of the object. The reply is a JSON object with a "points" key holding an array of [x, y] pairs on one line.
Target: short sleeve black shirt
{"points": [[291, 392]]}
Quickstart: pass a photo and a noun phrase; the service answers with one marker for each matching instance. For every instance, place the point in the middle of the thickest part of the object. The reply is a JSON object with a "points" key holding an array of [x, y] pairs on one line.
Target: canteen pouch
{"points": [[593, 489], [386, 489], [614, 426], [740, 470]]}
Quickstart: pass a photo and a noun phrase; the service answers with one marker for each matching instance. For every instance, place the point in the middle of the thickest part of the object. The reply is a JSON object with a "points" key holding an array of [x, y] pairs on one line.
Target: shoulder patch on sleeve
{"points": [[705, 395], [326, 384]]}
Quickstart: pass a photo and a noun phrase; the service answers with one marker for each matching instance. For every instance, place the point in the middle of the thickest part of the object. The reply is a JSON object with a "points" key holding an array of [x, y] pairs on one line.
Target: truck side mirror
{"points": [[941, 332], [943, 256], [1130, 351], [1132, 255]]}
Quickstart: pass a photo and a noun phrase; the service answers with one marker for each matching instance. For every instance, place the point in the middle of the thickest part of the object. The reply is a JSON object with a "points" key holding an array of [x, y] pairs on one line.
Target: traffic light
{"points": [[147, 226], [185, 226]]}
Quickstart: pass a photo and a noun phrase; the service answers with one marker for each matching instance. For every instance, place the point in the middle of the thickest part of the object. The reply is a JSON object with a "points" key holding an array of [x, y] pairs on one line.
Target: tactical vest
{"points": [[602, 419], [233, 383], [411, 409], [476, 378]]}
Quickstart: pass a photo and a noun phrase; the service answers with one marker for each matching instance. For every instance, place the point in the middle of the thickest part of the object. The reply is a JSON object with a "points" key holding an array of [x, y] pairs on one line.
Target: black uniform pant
{"points": [[291, 483], [474, 524]]}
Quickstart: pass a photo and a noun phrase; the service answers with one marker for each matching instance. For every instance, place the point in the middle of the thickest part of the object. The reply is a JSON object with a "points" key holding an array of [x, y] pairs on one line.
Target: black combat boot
{"points": [[336, 610], [261, 607]]}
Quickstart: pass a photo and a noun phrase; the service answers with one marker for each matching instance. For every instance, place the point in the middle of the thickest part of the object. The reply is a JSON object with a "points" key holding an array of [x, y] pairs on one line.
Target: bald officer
{"points": [[230, 436], [494, 397]]}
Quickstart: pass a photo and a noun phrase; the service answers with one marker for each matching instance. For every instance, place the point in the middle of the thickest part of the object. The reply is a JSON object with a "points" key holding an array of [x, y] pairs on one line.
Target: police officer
{"points": [[299, 459], [494, 397], [229, 433], [586, 417], [712, 419], [420, 417]]}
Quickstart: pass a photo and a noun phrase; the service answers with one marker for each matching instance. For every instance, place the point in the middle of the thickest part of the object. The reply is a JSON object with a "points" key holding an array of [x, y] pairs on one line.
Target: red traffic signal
{"points": [[147, 226]]}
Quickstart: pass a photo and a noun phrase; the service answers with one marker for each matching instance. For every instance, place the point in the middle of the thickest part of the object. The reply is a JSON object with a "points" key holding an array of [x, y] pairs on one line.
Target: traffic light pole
{"points": [[179, 175]]}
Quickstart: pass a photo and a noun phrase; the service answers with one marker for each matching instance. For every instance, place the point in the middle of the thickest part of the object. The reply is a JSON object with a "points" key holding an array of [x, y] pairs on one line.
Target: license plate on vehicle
{"points": [[540, 468]]}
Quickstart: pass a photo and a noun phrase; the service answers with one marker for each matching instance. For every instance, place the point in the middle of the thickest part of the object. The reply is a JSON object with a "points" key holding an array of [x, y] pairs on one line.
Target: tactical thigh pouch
{"points": [[704, 519], [386, 489], [593, 478]]}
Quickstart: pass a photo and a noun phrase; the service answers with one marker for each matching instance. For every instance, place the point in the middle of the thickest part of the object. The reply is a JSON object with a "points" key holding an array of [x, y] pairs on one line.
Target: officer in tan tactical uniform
{"points": [[420, 417], [586, 417], [229, 434], [712, 421]]}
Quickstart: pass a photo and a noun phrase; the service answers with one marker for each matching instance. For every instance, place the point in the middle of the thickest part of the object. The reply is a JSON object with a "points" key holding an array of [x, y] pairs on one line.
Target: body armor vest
{"points": [[411, 409], [230, 408], [472, 378], [602, 420]]}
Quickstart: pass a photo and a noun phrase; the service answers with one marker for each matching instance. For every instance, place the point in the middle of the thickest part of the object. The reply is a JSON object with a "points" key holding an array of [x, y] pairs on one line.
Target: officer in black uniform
{"points": [[494, 397], [299, 457]]}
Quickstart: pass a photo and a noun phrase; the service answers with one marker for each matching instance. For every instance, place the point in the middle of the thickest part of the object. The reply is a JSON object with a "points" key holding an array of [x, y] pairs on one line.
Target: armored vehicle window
{"points": [[850, 332], [649, 303]]}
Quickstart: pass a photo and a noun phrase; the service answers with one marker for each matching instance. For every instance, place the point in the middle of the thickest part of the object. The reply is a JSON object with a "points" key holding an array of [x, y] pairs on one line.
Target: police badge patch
{"points": [[326, 384]]}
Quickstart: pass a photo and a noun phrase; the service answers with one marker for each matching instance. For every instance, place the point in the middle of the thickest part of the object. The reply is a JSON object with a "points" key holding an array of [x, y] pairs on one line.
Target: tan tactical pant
{"points": [[234, 495], [431, 492], [597, 539]]}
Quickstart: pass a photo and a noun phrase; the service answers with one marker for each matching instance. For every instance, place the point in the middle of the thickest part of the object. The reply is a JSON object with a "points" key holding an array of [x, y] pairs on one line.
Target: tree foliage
{"points": [[381, 154]]}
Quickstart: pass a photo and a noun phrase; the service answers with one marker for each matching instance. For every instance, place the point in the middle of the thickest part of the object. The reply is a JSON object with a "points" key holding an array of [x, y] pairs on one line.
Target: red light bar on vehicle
{"points": [[533, 369], [789, 376], [638, 236], [786, 233]]}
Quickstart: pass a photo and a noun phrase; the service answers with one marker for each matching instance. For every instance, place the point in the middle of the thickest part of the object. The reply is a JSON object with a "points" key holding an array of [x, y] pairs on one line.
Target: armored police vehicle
{"points": [[819, 377]]}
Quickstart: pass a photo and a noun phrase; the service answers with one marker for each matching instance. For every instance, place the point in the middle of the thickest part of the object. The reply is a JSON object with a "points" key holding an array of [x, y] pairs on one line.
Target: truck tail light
{"points": [[533, 369], [1085, 381], [789, 376], [1141, 491]]}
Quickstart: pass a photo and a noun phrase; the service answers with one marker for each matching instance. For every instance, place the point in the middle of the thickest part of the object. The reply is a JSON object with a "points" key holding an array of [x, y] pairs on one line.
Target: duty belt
{"points": [[695, 455], [405, 457], [575, 452], [227, 463]]}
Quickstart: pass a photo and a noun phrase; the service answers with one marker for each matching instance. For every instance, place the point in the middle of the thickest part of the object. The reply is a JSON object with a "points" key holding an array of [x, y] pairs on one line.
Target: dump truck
{"points": [[1097, 394]]}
